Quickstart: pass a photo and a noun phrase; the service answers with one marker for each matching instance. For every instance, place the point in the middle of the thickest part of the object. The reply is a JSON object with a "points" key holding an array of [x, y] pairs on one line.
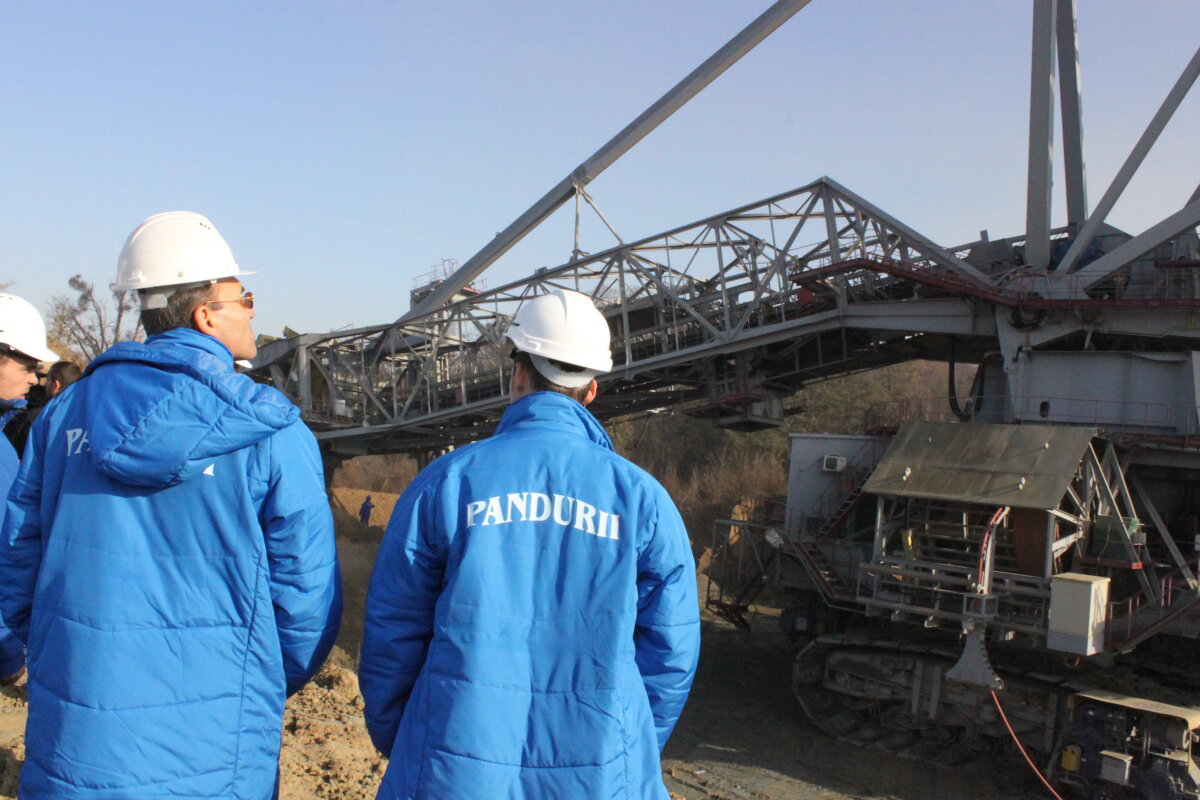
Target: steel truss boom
{"points": [[734, 311], [684, 306]]}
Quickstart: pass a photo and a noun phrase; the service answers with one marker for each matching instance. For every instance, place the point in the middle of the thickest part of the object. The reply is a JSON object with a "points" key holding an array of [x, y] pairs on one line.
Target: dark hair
{"points": [[540, 383], [9, 354], [178, 313], [63, 374]]}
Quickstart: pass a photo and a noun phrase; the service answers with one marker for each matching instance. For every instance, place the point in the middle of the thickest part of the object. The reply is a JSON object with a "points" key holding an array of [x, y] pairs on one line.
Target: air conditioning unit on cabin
{"points": [[832, 463]]}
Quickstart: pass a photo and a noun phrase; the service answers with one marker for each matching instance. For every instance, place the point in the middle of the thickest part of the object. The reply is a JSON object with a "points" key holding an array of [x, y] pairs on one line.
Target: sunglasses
{"points": [[246, 301]]}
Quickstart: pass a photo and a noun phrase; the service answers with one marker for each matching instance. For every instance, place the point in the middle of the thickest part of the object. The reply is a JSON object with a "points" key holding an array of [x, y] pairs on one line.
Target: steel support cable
{"points": [[1021, 747], [779, 12], [1091, 227]]}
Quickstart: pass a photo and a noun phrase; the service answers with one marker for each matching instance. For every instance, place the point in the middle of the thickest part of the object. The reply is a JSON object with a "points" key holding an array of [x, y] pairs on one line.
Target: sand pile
{"points": [[326, 751], [350, 500]]}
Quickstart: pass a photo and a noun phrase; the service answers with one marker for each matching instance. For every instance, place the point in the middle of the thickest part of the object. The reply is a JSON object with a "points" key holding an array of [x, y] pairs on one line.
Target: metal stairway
{"points": [[828, 580]]}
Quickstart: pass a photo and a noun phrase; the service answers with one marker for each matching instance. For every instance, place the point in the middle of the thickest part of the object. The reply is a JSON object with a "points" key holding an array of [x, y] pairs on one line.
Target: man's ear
{"points": [[525, 371], [202, 319], [519, 379], [592, 388]]}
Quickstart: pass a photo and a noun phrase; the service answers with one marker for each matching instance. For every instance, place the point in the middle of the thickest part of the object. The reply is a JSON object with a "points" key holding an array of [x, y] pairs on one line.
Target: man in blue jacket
{"points": [[22, 348], [168, 554], [532, 624]]}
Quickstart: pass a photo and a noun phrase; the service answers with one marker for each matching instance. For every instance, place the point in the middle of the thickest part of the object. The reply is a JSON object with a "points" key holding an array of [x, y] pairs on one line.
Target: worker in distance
{"points": [[168, 553], [532, 626], [22, 348]]}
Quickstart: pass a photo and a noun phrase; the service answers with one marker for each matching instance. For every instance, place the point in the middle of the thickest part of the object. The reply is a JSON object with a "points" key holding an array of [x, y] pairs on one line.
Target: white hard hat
{"points": [[22, 329], [172, 250], [563, 326]]}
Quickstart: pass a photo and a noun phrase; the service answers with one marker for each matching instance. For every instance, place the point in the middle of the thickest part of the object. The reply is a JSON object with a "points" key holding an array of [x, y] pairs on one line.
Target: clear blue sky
{"points": [[343, 148]]}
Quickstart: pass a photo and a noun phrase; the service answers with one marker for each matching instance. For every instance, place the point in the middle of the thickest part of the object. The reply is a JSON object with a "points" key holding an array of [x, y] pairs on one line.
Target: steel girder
{"points": [[741, 308], [689, 309]]}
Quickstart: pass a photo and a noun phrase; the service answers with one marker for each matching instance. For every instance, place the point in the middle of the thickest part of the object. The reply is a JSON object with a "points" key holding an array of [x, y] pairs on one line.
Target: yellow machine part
{"points": [[1071, 757]]}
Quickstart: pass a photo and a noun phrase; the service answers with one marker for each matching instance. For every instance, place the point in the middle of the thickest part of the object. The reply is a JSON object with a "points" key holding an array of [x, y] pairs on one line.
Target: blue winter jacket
{"points": [[532, 625], [12, 652], [169, 559]]}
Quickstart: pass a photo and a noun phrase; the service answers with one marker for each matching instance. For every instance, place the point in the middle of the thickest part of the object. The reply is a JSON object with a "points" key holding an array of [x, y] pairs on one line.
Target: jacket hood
{"points": [[554, 410], [160, 411]]}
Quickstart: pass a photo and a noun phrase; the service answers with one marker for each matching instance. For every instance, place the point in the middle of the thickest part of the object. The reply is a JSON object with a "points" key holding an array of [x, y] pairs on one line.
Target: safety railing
{"points": [[863, 274], [1129, 618], [1180, 423], [1149, 283], [741, 560], [949, 593]]}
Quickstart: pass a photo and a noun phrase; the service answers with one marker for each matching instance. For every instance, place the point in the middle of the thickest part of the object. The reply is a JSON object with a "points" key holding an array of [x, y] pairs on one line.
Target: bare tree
{"points": [[87, 325]]}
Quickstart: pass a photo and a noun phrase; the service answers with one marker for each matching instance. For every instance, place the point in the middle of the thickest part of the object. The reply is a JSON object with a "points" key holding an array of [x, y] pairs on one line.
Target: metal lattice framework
{"points": [[714, 314], [727, 317]]}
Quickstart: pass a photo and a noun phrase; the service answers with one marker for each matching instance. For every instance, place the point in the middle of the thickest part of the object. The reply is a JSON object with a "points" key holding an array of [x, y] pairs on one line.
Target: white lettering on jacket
{"points": [[77, 441], [538, 507]]}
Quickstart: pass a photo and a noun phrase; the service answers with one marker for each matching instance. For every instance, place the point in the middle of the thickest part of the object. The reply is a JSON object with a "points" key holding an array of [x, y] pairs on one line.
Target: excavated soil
{"points": [[741, 736], [326, 751]]}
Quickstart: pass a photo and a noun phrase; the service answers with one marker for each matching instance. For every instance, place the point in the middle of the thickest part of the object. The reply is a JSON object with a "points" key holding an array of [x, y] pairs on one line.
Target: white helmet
{"points": [[563, 326], [170, 251], [22, 329]]}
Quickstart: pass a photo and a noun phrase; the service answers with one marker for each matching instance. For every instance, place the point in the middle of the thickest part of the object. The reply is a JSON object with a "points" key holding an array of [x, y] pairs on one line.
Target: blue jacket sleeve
{"points": [[306, 584], [21, 552], [401, 601], [667, 633]]}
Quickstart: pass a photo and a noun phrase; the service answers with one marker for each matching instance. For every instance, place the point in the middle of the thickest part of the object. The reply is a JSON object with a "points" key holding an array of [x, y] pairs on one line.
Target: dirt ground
{"points": [[741, 736]]}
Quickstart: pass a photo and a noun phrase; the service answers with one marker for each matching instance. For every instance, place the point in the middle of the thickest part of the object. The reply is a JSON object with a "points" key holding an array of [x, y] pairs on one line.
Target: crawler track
{"points": [[930, 722], [885, 692]]}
